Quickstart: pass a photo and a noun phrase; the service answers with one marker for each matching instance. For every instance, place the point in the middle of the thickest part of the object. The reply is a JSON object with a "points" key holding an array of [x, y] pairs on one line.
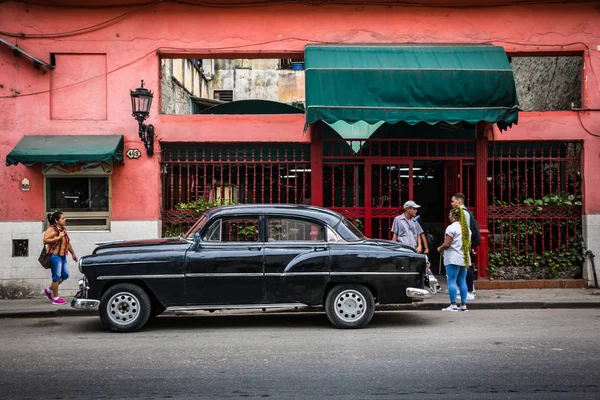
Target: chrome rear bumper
{"points": [[419, 294], [84, 304]]}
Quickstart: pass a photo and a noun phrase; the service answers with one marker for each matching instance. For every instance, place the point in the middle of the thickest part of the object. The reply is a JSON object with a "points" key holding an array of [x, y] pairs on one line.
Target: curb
{"points": [[515, 305], [437, 306], [47, 313]]}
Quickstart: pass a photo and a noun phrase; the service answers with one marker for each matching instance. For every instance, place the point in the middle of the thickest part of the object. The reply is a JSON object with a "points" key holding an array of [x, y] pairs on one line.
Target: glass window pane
{"points": [[86, 222], [295, 229], [76, 194], [240, 230]]}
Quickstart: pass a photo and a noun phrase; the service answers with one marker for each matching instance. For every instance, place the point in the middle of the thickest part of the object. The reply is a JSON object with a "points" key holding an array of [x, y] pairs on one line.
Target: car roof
{"points": [[297, 210]]}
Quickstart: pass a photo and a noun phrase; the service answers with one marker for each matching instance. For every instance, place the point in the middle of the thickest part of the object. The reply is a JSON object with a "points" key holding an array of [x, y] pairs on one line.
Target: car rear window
{"points": [[348, 231]]}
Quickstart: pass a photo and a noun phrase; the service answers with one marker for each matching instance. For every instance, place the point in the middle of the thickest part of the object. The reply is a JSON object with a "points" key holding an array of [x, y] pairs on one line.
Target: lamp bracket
{"points": [[147, 135]]}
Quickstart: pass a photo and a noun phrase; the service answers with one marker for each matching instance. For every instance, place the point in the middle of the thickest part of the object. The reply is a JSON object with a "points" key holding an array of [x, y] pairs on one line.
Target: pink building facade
{"points": [[101, 53]]}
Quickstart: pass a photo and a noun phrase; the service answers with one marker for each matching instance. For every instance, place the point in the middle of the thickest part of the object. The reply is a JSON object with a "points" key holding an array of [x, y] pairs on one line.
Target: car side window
{"points": [[213, 233], [241, 229], [294, 229]]}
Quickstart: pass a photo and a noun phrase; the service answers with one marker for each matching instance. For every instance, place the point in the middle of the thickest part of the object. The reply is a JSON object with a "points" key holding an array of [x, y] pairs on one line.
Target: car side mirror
{"points": [[196, 238]]}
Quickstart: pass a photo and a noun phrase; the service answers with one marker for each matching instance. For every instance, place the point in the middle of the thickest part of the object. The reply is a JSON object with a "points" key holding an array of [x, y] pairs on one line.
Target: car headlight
{"points": [[83, 287], [79, 265]]}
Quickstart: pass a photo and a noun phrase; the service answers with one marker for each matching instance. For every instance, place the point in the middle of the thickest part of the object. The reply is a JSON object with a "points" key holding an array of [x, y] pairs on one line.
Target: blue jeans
{"points": [[454, 273], [58, 266]]}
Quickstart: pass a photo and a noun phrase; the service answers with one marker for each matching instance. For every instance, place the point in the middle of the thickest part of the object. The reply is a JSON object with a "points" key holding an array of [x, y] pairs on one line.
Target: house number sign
{"points": [[133, 153]]}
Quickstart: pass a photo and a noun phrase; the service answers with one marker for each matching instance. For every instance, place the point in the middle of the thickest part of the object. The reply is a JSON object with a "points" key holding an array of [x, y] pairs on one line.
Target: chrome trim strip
{"points": [[296, 274], [231, 244], [223, 274], [234, 306], [295, 243], [158, 276], [375, 273], [128, 263], [109, 242]]}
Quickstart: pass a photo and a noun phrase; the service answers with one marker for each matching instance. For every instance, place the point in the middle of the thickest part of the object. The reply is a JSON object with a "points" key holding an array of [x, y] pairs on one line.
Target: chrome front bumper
{"points": [[84, 304], [419, 294]]}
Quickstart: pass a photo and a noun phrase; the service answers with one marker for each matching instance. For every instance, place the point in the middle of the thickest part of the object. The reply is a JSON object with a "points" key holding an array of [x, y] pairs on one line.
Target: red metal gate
{"points": [[535, 209], [369, 180], [198, 176], [391, 185]]}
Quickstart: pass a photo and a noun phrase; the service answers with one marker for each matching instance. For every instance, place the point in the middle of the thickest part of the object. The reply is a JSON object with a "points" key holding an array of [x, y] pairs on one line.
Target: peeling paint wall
{"points": [[548, 83], [259, 79], [180, 81]]}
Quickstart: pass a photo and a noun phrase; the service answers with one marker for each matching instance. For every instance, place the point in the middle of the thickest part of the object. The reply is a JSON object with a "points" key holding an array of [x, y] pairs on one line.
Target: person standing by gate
{"points": [[405, 228], [456, 250], [458, 201]]}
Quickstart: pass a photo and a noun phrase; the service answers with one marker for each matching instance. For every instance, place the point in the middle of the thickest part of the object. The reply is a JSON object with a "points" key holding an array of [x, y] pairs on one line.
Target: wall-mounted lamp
{"points": [[141, 101]]}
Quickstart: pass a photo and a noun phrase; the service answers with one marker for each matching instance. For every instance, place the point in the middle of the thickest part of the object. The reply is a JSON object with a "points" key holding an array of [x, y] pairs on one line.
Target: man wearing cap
{"points": [[405, 229]]}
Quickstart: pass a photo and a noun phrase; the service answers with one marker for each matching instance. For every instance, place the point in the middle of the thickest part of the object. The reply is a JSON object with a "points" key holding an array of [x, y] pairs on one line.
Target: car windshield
{"points": [[348, 231], [196, 228]]}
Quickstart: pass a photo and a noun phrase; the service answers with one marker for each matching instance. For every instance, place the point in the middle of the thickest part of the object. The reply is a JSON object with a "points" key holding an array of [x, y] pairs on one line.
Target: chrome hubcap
{"points": [[123, 308], [350, 305]]}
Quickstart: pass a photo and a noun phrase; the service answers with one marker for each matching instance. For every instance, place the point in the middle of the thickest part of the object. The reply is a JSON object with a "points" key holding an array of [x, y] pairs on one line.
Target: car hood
{"points": [[126, 245], [388, 244]]}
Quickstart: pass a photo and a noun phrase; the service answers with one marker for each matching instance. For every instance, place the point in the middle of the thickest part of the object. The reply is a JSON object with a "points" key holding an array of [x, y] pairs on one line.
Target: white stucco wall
{"points": [[22, 277], [591, 237]]}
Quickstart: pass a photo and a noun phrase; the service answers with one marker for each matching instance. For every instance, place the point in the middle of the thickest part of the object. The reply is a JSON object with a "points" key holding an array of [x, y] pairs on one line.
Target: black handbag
{"points": [[44, 258]]}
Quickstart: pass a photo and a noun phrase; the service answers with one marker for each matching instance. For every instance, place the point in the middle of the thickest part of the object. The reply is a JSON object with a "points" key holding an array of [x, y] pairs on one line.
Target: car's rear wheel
{"points": [[349, 306], [125, 307]]}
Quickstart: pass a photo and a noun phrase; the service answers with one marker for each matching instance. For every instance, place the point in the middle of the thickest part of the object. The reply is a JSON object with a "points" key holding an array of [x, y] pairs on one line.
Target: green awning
{"points": [[410, 83], [72, 149]]}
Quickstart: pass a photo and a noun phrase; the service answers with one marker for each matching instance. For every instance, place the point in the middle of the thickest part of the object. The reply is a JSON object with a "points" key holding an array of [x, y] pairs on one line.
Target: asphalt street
{"points": [[482, 354]]}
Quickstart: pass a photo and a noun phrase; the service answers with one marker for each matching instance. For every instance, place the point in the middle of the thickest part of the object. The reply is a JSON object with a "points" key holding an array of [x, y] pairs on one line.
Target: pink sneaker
{"points": [[48, 294], [58, 301]]}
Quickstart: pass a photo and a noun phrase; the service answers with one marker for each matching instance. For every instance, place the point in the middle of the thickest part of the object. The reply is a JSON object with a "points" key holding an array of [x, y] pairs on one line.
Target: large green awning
{"points": [[410, 83], [72, 149]]}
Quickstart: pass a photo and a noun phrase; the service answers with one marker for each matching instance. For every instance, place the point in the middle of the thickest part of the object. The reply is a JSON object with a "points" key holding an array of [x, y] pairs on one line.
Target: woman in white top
{"points": [[456, 249]]}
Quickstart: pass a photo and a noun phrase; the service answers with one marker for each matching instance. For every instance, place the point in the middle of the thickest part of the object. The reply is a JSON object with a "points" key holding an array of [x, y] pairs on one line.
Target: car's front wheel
{"points": [[125, 307], [349, 306]]}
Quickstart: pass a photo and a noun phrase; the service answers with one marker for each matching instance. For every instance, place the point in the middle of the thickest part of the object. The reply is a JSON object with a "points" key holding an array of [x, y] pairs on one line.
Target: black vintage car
{"points": [[252, 256]]}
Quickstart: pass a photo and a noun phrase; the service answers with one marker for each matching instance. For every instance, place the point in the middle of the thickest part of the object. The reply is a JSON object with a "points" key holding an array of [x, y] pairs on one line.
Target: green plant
{"points": [[358, 223], [536, 241], [202, 204], [172, 230], [557, 199], [248, 231]]}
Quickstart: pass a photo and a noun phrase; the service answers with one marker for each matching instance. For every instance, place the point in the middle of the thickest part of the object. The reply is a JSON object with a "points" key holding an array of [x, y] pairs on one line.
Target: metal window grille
{"points": [[223, 95], [535, 208], [286, 63], [197, 176], [20, 248]]}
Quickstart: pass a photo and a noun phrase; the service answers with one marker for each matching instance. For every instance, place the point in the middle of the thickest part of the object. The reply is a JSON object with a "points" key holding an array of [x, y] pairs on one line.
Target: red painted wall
{"points": [[131, 46]]}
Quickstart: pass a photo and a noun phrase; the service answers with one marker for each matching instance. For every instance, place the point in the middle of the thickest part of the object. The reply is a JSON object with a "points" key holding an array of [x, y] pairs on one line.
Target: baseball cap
{"points": [[411, 204]]}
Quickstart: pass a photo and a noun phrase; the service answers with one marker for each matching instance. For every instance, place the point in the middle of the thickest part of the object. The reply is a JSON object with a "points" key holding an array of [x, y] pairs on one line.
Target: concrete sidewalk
{"points": [[485, 299]]}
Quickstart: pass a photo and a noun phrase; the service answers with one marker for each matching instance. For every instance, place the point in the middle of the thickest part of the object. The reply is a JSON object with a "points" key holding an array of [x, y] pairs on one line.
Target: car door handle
{"points": [[254, 248], [318, 248]]}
